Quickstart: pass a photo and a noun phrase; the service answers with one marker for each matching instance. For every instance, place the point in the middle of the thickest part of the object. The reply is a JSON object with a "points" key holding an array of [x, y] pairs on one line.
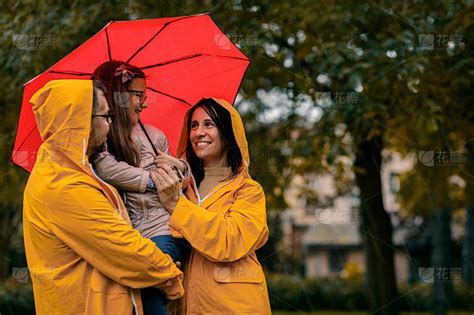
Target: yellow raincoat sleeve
{"points": [[86, 222], [224, 237]]}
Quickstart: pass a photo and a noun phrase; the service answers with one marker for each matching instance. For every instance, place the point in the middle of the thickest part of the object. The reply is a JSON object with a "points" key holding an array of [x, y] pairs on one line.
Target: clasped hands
{"points": [[168, 179]]}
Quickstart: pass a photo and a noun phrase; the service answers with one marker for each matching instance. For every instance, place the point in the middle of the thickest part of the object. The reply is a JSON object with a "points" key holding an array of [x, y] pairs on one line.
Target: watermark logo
{"points": [[441, 158], [426, 157], [230, 274], [30, 42], [426, 41], [262, 156], [222, 274], [224, 41], [337, 216], [426, 274], [432, 41], [20, 274], [337, 98], [440, 274]]}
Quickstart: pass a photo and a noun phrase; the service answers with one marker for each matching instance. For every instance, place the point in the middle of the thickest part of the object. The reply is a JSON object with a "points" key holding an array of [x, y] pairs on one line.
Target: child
{"points": [[134, 151]]}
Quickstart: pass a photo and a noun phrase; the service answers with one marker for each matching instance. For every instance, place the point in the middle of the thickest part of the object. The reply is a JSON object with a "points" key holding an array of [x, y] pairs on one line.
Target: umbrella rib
{"points": [[190, 57], [157, 33], [170, 61], [108, 43], [70, 72], [170, 96]]}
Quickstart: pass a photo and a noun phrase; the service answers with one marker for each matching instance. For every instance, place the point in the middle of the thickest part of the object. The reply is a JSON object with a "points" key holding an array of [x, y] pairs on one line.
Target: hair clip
{"points": [[126, 75]]}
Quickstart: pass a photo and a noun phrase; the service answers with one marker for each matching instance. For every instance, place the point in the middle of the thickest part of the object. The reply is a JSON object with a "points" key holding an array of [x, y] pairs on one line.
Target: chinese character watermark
{"points": [[440, 274], [236, 274], [432, 41], [441, 158], [337, 98], [224, 42], [262, 156], [337, 216], [33, 42]]}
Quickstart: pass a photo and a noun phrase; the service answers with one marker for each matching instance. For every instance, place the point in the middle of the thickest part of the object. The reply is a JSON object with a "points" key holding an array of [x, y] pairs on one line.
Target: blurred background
{"points": [[360, 131]]}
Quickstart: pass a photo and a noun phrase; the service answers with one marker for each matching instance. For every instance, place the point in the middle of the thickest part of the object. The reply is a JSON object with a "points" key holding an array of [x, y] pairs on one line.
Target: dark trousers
{"points": [[154, 301]]}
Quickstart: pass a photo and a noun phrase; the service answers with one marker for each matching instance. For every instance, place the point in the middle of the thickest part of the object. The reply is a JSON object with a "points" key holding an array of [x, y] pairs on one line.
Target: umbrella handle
{"points": [[156, 151], [148, 137]]}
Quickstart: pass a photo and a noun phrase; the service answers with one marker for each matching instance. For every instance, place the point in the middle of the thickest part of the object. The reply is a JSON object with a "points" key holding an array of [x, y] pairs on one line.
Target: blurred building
{"points": [[321, 225]]}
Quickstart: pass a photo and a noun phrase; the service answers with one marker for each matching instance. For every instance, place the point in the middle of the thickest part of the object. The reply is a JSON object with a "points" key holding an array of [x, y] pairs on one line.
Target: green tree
{"points": [[388, 89]]}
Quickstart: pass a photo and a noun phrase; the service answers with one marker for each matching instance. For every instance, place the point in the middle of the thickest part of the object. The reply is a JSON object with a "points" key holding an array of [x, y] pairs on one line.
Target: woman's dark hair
{"points": [[221, 117], [119, 139]]}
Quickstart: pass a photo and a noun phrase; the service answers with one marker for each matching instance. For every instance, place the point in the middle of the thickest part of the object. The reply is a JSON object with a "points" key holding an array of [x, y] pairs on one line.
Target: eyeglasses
{"points": [[109, 117], [140, 94]]}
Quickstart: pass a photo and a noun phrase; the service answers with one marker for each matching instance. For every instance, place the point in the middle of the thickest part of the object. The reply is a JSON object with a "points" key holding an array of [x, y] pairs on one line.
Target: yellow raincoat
{"points": [[223, 275], [83, 255]]}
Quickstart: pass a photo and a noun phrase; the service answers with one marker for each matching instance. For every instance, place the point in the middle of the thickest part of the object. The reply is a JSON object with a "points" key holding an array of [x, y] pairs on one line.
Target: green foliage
{"points": [[413, 97], [302, 295], [16, 298]]}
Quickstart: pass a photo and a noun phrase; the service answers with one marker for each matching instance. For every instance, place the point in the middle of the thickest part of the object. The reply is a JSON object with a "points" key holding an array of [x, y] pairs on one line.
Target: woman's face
{"points": [[137, 91], [206, 140]]}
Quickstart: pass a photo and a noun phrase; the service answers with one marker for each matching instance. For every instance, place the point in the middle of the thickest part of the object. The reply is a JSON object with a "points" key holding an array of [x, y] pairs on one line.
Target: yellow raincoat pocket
{"points": [[243, 271]]}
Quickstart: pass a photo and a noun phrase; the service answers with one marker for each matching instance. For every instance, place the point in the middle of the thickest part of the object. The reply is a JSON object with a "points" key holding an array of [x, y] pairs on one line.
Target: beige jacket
{"points": [[144, 208]]}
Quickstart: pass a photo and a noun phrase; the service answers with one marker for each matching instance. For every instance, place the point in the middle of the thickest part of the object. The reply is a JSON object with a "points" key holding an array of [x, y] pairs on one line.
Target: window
{"points": [[337, 260]]}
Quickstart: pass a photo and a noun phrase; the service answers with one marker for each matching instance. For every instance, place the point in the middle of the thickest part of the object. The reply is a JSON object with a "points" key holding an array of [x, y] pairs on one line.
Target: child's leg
{"points": [[153, 299], [168, 245]]}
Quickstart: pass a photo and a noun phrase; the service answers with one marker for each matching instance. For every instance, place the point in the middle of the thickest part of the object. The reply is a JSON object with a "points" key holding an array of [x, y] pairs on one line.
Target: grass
{"points": [[360, 313]]}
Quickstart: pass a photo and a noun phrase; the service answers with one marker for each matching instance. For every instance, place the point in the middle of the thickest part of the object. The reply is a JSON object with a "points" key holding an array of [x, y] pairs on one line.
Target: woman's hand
{"points": [[168, 186]]}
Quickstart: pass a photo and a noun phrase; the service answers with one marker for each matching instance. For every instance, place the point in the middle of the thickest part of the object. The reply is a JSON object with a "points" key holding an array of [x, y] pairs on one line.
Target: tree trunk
{"points": [[10, 215], [441, 260], [376, 229], [468, 246]]}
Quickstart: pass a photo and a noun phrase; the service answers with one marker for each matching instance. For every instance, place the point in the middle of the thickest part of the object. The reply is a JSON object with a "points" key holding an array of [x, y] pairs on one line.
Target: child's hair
{"points": [[117, 76], [223, 121]]}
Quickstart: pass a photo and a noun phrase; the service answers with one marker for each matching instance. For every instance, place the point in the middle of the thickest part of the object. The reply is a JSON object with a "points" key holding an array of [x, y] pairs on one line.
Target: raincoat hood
{"points": [[83, 255], [224, 228], [237, 127], [63, 111]]}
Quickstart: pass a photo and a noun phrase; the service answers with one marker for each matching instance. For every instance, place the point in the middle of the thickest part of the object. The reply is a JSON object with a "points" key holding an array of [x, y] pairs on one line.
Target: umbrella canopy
{"points": [[184, 58]]}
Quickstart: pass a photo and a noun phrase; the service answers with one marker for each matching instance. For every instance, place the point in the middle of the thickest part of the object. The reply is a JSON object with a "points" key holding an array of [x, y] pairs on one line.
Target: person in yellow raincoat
{"points": [[222, 216], [83, 255]]}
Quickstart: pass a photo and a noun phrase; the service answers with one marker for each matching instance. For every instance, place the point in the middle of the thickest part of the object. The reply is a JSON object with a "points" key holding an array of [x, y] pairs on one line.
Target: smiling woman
{"points": [[223, 215], [212, 146]]}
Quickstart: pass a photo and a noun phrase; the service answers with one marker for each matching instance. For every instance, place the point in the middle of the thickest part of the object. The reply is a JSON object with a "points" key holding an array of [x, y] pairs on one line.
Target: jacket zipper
{"points": [[107, 185], [200, 201], [135, 308]]}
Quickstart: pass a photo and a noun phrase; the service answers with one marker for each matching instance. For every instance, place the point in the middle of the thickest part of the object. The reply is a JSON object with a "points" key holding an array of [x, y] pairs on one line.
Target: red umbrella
{"points": [[185, 58]]}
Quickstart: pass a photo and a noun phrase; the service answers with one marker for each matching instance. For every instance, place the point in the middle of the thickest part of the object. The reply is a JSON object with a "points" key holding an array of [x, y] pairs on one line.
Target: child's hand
{"points": [[163, 159]]}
